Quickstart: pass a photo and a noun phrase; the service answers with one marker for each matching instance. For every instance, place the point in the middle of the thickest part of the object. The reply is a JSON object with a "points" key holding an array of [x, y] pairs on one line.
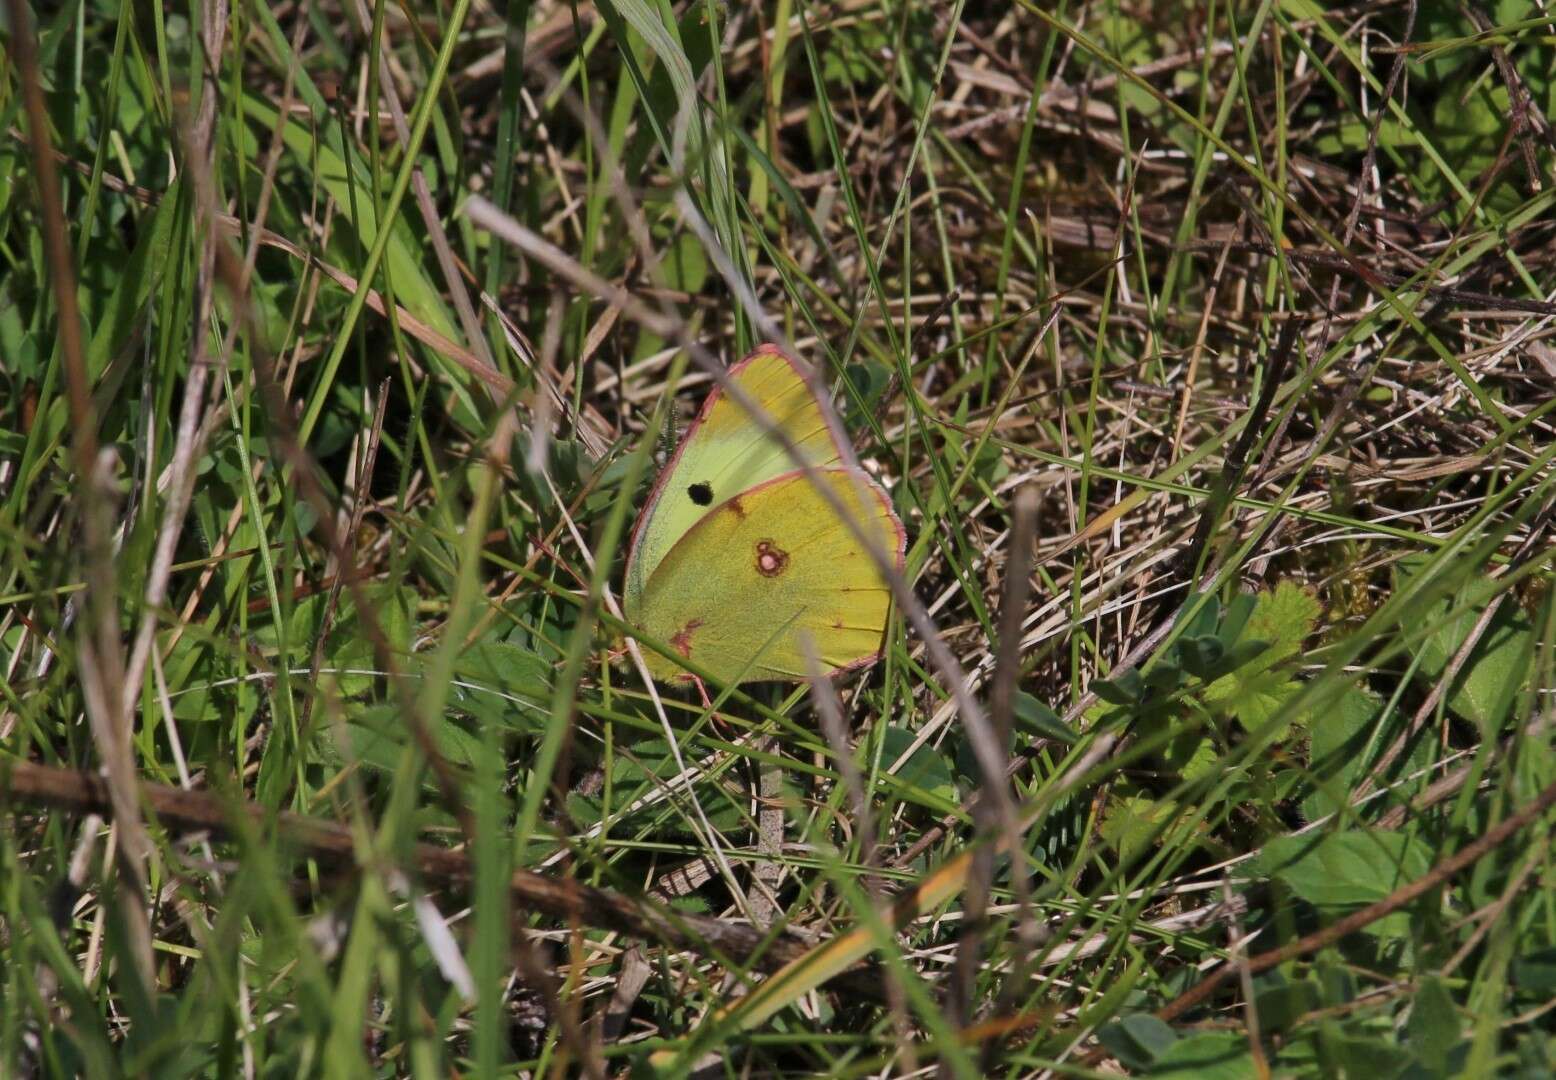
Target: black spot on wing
{"points": [[701, 493]]}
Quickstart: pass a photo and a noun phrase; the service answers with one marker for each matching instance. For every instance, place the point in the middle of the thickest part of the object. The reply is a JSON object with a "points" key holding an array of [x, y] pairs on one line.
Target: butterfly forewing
{"points": [[725, 452]]}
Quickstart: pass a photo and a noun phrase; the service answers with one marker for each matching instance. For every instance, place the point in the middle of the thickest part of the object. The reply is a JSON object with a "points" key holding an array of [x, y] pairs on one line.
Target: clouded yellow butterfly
{"points": [[737, 554]]}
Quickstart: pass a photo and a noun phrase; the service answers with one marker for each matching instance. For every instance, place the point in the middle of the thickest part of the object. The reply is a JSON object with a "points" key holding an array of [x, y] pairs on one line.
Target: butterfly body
{"points": [[740, 555]]}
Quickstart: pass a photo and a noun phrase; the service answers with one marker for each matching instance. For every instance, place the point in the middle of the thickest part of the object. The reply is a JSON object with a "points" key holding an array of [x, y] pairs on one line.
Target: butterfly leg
{"points": [[707, 703]]}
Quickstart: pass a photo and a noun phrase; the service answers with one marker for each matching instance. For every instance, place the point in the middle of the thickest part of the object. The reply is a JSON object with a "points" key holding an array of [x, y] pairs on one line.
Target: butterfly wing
{"points": [[767, 566], [725, 452]]}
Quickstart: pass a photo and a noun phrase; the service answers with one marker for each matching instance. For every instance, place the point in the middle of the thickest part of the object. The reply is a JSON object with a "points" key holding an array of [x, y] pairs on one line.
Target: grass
{"points": [[1206, 353]]}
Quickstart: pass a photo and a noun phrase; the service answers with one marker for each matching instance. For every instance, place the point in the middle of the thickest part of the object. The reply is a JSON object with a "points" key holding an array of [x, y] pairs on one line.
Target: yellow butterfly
{"points": [[737, 554]]}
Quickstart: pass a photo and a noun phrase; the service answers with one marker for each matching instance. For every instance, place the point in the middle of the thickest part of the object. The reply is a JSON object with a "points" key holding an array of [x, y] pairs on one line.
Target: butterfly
{"points": [[738, 556]]}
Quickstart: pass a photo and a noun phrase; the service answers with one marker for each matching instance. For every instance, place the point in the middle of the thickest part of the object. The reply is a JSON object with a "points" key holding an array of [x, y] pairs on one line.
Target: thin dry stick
{"points": [[1002, 696], [1436, 792], [346, 567], [101, 660], [181, 470], [1369, 159], [1236, 463], [1528, 123], [424, 204], [1191, 375], [768, 872], [1236, 943], [1128, 662], [1429, 706], [829, 710], [1373, 276], [24, 783], [1407, 894], [79, 864]]}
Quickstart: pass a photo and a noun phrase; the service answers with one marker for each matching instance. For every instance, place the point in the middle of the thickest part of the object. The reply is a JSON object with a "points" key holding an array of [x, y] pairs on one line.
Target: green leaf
{"points": [[1137, 1039], [1209, 1056], [1433, 1030], [924, 778], [965, 758], [1284, 618], [1163, 675], [1279, 622], [1132, 821], [1263, 698], [868, 380], [1536, 1052], [1032, 715], [1497, 669], [379, 735], [1198, 616], [137, 279], [1337, 737], [1345, 869], [1281, 1003], [1238, 612], [1364, 1056], [503, 668], [355, 204], [686, 264], [1191, 754], [1201, 655], [1127, 689], [583, 810], [200, 681], [1536, 972]]}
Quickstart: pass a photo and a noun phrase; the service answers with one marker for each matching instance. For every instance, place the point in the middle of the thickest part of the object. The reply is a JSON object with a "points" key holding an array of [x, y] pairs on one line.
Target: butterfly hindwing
{"points": [[770, 566], [725, 452]]}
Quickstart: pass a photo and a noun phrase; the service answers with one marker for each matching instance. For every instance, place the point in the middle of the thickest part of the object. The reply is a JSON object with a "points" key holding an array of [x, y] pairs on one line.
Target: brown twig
{"points": [[1449, 676], [1321, 939], [425, 206], [1002, 698], [1374, 276], [1236, 461], [101, 651], [829, 710], [346, 568], [731, 941]]}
